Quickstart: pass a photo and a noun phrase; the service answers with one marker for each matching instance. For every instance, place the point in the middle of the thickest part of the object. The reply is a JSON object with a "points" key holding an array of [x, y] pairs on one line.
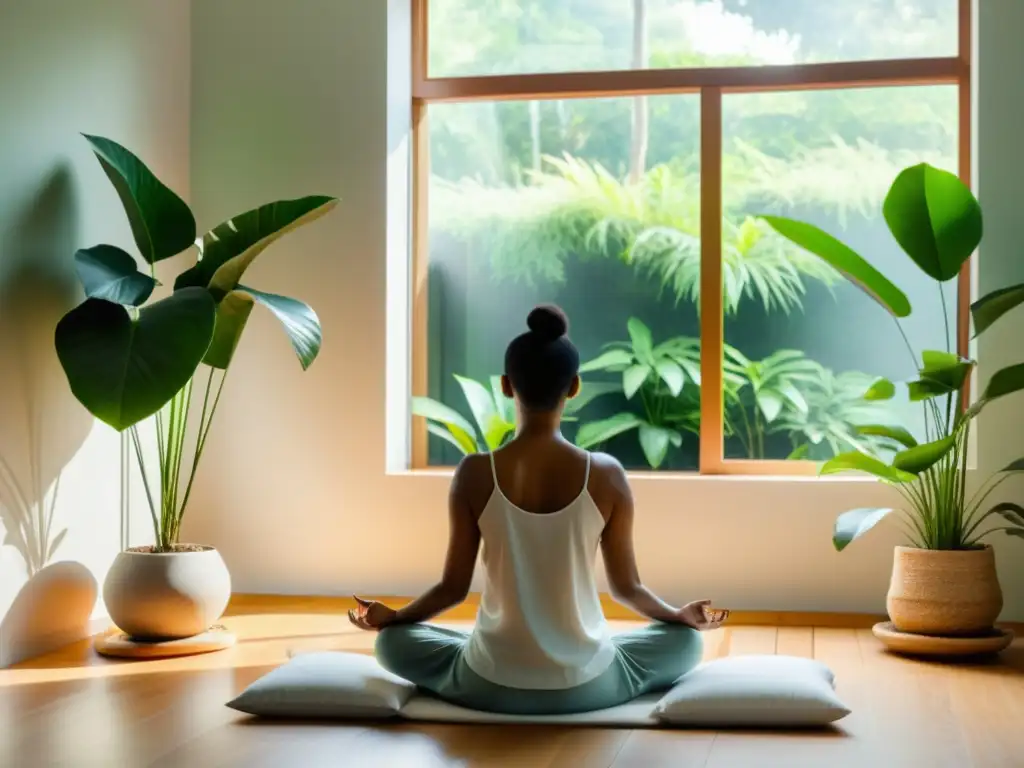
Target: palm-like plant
{"points": [[936, 220]]}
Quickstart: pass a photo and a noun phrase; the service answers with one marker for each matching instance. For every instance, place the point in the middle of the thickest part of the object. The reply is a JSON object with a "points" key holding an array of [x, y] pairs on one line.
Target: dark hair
{"points": [[542, 362]]}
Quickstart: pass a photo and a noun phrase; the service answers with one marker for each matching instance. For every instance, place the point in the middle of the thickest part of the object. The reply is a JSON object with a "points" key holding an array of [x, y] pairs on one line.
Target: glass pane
{"points": [[545, 201], [500, 37], [803, 345]]}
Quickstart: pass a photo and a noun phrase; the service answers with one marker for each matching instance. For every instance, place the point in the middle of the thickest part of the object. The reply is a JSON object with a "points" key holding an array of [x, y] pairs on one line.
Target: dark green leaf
{"points": [[899, 434], [1017, 465], [1010, 511], [124, 365], [231, 247], [107, 272], [615, 360], [855, 523], [925, 389], [800, 452], [1018, 532], [1004, 382], [595, 432], [919, 458], [232, 315], [162, 225], [994, 305], [841, 257], [946, 368], [299, 321], [854, 460], [655, 441], [935, 219]]}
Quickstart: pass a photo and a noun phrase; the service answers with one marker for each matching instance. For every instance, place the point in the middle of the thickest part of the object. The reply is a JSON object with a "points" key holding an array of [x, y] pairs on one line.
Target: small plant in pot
{"points": [[945, 584], [162, 364]]}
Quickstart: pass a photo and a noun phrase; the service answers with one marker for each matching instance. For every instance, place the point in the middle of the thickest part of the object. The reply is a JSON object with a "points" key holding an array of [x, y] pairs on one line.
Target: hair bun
{"points": [[548, 321]]}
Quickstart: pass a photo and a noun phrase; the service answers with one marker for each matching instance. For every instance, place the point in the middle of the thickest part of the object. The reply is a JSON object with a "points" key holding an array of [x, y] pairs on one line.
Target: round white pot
{"points": [[167, 595]]}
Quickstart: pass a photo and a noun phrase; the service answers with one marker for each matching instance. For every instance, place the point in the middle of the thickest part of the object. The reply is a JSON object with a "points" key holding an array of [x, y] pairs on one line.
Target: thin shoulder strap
{"points": [[494, 469], [586, 474]]}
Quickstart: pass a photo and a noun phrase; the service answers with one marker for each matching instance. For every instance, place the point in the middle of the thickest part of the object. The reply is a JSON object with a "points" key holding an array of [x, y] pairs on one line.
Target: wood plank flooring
{"points": [[74, 709]]}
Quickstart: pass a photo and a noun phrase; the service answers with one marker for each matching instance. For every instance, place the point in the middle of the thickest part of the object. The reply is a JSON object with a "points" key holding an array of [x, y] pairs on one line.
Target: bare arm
{"points": [[620, 560], [463, 545]]}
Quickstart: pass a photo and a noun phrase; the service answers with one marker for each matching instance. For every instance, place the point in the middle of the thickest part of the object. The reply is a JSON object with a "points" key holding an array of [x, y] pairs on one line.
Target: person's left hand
{"points": [[371, 615]]}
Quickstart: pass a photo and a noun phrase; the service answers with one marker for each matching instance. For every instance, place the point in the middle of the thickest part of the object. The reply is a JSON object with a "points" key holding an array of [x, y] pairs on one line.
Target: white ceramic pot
{"points": [[167, 594], [944, 593]]}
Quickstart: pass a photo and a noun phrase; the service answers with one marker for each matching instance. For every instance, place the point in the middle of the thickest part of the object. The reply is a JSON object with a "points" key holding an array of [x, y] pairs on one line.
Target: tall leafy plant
{"points": [[128, 359], [937, 222]]}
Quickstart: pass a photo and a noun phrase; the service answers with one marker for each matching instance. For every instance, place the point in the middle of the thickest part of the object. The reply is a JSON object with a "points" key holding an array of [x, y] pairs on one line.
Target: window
{"points": [[613, 156]]}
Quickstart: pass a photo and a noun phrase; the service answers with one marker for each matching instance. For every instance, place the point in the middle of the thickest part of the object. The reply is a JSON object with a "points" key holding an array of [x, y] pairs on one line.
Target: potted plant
{"points": [[944, 583], [129, 360]]}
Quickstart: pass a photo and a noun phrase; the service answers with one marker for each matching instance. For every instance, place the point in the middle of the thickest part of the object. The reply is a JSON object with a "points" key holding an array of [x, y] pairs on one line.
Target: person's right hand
{"points": [[693, 615]]}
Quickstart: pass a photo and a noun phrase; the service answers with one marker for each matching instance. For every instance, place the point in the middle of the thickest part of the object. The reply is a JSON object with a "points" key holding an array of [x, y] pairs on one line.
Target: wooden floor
{"points": [[74, 709]]}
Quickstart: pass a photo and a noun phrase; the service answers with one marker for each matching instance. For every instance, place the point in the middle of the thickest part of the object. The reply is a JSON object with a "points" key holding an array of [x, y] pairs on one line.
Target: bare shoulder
{"points": [[609, 476], [473, 480]]}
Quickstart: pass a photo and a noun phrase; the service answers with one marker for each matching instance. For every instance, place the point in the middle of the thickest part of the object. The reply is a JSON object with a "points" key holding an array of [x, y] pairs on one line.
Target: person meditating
{"points": [[542, 506]]}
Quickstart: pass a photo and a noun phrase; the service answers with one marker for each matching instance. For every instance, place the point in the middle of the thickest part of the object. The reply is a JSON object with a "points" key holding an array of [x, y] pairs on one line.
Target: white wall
{"points": [[118, 68], [294, 489]]}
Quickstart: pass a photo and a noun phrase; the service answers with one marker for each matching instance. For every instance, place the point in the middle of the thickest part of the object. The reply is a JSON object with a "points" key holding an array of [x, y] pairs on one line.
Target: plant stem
{"points": [[204, 430], [145, 483], [945, 317]]}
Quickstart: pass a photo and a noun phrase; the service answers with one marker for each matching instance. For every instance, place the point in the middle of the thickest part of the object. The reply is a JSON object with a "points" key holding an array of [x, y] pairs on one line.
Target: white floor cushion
{"points": [[326, 685], [634, 714], [753, 691]]}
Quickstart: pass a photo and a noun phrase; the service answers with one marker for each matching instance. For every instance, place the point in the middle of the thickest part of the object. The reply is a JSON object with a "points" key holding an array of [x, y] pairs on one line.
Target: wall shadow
{"points": [[43, 425], [52, 609]]}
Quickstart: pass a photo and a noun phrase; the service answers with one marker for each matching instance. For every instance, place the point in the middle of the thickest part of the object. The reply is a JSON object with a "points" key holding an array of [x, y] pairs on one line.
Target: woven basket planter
{"points": [[944, 593]]}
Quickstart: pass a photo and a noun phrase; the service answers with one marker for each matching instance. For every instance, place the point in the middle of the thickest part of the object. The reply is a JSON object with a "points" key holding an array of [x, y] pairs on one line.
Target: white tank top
{"points": [[540, 624]]}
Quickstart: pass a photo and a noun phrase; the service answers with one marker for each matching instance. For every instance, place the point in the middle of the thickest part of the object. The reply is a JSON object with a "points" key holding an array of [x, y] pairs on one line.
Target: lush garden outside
{"points": [[594, 204]]}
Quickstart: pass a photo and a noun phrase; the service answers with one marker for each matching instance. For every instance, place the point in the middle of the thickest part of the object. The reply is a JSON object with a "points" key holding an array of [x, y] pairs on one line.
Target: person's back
{"points": [[540, 623], [541, 507]]}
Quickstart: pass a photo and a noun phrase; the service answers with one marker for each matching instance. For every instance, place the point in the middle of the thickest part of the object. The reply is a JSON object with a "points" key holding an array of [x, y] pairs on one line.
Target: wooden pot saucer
{"points": [[120, 645], [946, 647]]}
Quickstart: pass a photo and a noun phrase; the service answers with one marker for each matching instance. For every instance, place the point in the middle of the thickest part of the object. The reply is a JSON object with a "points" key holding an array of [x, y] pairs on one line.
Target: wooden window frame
{"points": [[710, 83]]}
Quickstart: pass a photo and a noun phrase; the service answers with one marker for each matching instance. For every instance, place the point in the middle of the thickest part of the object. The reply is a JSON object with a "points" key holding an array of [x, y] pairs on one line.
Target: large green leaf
{"points": [[672, 374], [633, 378], [854, 460], [926, 389], [299, 321], [992, 306], [919, 458], [231, 247], [1004, 382], [845, 260], [107, 272], [481, 405], [946, 368], [897, 434], [448, 417], [162, 225], [126, 364], [655, 442], [232, 315], [855, 523], [614, 360], [506, 405], [881, 389], [643, 342], [589, 390], [1017, 465], [462, 442], [595, 432], [935, 219]]}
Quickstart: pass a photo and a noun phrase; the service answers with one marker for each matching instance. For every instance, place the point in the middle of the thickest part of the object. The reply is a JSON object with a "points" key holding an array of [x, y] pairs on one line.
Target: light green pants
{"points": [[646, 660]]}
